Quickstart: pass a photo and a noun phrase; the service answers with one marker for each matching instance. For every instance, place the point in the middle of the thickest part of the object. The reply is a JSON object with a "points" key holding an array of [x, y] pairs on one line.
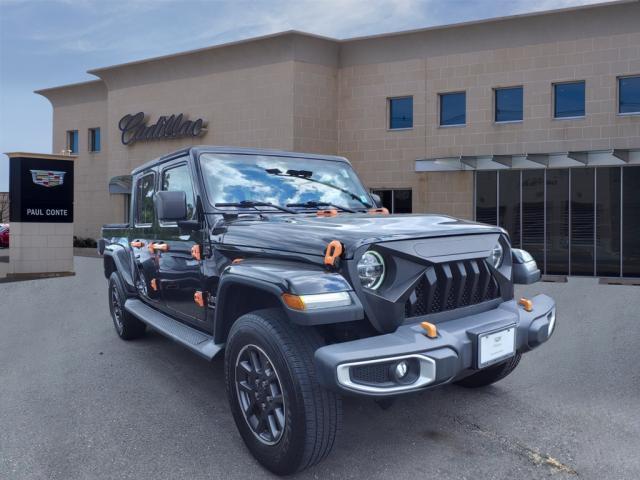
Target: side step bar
{"points": [[193, 339]]}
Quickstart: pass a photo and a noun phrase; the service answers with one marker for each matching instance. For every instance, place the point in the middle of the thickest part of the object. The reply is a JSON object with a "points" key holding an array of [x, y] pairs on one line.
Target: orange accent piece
{"points": [[327, 213], [198, 297], [195, 252], [237, 261], [137, 244], [430, 329], [293, 301], [334, 250], [154, 284], [526, 304], [378, 211], [163, 247]]}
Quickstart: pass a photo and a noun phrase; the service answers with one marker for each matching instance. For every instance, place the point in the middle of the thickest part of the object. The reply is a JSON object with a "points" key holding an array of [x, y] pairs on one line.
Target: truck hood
{"points": [[309, 234]]}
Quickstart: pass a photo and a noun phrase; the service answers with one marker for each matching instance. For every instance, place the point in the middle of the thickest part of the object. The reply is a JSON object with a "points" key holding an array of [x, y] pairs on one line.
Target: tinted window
{"points": [[386, 197], [401, 112], [72, 141], [508, 104], [178, 179], [629, 94], [631, 221], [582, 225], [453, 108], [557, 222], [533, 213], [509, 207], [396, 201], [94, 139], [608, 221], [145, 189], [486, 197], [569, 100]]}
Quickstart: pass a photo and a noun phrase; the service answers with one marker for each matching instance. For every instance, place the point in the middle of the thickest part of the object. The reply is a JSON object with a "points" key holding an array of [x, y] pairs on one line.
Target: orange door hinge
{"points": [[137, 244], [195, 252], [154, 284], [198, 297]]}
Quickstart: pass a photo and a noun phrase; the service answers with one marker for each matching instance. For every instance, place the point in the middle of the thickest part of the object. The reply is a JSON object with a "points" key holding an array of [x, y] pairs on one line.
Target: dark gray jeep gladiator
{"points": [[286, 263]]}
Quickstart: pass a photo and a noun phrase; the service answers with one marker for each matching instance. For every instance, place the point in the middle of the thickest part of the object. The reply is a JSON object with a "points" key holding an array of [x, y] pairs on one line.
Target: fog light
{"points": [[405, 371], [402, 368]]}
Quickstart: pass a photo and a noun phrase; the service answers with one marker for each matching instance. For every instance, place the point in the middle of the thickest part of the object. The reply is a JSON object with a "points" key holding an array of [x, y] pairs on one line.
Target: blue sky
{"points": [[46, 43]]}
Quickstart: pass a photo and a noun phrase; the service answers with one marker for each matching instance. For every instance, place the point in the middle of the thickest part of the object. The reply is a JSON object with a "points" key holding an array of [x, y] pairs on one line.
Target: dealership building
{"points": [[531, 122]]}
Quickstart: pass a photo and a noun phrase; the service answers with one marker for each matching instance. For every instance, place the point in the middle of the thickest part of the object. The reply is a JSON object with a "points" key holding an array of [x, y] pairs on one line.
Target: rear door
{"points": [[180, 274]]}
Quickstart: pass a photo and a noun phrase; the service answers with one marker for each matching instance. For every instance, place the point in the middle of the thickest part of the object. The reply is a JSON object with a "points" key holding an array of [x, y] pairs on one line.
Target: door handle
{"points": [[158, 247]]}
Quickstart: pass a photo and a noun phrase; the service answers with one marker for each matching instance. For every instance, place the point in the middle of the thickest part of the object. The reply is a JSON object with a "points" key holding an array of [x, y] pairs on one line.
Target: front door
{"points": [[179, 273]]}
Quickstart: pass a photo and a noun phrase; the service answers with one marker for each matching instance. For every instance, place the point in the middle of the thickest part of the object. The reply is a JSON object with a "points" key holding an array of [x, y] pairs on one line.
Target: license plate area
{"points": [[495, 345]]}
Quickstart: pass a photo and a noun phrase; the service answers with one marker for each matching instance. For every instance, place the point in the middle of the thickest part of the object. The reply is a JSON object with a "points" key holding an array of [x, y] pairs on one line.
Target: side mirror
{"points": [[377, 200], [525, 268], [171, 206]]}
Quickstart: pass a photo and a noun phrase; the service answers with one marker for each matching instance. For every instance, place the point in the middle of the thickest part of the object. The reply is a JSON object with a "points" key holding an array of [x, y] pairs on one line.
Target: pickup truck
{"points": [[313, 291]]}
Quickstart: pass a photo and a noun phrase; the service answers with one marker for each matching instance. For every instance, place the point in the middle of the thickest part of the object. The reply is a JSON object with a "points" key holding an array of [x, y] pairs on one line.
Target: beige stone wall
{"points": [[41, 248], [4, 207]]}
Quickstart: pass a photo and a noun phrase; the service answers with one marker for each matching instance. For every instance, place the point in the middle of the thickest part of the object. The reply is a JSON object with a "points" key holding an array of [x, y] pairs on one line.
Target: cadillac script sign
{"points": [[135, 128]]}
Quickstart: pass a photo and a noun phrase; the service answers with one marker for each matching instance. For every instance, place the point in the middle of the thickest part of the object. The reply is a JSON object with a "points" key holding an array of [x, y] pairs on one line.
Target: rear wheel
{"points": [[127, 326], [492, 374], [286, 419]]}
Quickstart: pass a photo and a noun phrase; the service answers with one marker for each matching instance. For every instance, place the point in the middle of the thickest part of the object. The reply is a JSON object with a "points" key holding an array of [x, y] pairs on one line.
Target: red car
{"points": [[4, 236]]}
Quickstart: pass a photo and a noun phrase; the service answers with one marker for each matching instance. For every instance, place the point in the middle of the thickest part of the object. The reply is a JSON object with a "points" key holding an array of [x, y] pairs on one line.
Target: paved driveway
{"points": [[78, 403]]}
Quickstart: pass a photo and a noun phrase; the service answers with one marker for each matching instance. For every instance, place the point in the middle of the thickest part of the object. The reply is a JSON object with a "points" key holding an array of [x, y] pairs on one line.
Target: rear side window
{"points": [[145, 188], [178, 179]]}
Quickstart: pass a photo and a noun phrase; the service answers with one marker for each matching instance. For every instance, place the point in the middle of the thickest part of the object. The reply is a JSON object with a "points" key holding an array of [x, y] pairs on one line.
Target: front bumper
{"points": [[452, 355]]}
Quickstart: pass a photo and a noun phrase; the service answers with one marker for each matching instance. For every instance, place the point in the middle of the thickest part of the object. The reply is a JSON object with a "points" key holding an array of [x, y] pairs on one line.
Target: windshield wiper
{"points": [[314, 204], [253, 204], [306, 175]]}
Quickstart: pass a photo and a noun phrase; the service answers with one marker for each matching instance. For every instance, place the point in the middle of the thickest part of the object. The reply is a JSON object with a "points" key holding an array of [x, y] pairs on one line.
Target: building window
{"points": [[629, 94], [400, 113], [508, 106], [453, 109], [72, 141], [94, 139], [396, 201], [568, 100], [145, 189]]}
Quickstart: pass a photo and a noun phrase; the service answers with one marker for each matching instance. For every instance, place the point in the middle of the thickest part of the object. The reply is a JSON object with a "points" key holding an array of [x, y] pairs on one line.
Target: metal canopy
{"points": [[578, 158], [120, 184]]}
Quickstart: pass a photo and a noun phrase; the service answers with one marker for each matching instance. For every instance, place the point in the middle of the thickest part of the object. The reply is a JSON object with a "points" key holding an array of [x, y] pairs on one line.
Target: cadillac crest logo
{"points": [[47, 178]]}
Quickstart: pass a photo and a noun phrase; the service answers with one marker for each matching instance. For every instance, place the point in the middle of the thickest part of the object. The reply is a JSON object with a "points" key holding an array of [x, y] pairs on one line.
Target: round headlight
{"points": [[371, 269], [496, 255]]}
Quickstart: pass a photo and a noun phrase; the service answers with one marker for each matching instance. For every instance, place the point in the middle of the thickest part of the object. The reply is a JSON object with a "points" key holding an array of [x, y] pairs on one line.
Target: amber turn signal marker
{"points": [[326, 213], [430, 329], [154, 284], [526, 304], [237, 261], [198, 297], [195, 252], [137, 244], [293, 301], [333, 251], [378, 211]]}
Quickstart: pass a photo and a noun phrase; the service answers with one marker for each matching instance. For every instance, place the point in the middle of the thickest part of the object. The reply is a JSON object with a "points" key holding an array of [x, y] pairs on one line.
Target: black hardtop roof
{"points": [[198, 149]]}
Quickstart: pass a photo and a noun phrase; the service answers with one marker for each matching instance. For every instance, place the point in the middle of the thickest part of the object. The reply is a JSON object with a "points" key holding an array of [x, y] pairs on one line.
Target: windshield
{"points": [[232, 178]]}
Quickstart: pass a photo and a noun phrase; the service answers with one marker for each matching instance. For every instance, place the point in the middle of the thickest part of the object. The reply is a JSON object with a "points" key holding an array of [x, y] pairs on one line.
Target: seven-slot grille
{"points": [[445, 286]]}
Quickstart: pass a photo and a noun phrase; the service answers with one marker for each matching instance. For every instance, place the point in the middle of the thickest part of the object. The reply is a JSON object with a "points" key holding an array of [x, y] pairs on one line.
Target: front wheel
{"points": [[492, 374], [286, 419], [127, 326]]}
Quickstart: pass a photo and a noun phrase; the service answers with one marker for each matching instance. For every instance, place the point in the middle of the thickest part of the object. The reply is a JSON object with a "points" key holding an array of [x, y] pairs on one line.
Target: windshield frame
{"points": [[292, 155]]}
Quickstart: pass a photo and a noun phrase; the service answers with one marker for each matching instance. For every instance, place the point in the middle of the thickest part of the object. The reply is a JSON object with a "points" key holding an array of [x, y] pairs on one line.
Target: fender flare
{"points": [[122, 263]]}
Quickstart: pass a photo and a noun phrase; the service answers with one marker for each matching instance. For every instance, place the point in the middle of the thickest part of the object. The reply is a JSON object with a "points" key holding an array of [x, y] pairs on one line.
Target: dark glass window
{"points": [[533, 213], [486, 197], [509, 206], [178, 179], [94, 139], [629, 94], [608, 221], [582, 221], [396, 201], [568, 100], [631, 222], [557, 206], [145, 189], [72, 141], [401, 112], [508, 104], [453, 108]]}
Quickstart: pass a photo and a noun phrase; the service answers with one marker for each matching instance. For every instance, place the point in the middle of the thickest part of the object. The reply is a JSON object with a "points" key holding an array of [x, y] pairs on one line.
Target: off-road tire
{"points": [[312, 414], [127, 326], [491, 374]]}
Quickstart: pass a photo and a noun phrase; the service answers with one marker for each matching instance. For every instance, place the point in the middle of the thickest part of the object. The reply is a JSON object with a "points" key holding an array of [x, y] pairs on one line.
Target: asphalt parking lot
{"points": [[76, 402]]}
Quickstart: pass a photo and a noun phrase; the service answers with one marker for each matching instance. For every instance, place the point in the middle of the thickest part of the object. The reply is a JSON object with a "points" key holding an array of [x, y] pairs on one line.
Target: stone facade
{"points": [[4, 207], [296, 91]]}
